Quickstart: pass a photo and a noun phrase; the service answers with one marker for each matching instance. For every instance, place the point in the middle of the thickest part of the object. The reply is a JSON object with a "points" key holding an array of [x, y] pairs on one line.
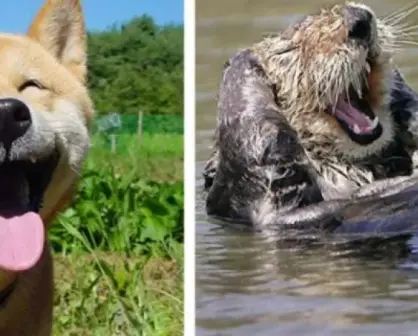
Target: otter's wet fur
{"points": [[280, 159]]}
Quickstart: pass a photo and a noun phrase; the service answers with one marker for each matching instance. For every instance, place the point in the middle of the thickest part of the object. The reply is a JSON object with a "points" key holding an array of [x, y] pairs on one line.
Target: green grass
{"points": [[158, 157], [119, 246], [108, 294]]}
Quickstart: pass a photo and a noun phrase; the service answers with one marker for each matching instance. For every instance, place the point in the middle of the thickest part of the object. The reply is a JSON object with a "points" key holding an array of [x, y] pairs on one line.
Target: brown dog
{"points": [[44, 113]]}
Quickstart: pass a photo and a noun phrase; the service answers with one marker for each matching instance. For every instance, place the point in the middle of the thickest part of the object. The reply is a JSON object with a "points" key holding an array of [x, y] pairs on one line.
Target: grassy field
{"points": [[159, 157], [119, 247]]}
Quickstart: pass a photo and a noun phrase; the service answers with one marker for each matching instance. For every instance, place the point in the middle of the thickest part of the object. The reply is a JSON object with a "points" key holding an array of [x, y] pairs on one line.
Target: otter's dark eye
{"points": [[360, 30], [31, 83]]}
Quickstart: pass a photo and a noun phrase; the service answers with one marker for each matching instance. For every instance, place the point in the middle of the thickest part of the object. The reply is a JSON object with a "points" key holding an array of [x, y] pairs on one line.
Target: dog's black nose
{"points": [[358, 21], [15, 119]]}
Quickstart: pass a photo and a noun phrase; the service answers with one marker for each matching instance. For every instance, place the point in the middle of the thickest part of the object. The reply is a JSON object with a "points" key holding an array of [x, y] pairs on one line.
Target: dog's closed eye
{"points": [[31, 83]]}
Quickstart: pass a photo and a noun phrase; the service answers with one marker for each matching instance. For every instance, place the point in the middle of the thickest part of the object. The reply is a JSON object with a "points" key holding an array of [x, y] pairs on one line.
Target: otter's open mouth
{"points": [[355, 114], [22, 233]]}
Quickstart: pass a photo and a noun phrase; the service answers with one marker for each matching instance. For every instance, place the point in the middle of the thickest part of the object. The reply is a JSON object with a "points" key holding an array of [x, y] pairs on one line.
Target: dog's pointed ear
{"points": [[59, 28]]}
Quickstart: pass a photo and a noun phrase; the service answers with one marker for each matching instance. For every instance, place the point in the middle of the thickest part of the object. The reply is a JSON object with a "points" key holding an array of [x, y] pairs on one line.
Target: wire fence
{"points": [[117, 132], [129, 124]]}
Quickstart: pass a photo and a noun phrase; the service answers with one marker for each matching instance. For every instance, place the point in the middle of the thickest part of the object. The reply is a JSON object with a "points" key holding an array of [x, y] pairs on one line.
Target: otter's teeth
{"points": [[375, 123], [356, 129]]}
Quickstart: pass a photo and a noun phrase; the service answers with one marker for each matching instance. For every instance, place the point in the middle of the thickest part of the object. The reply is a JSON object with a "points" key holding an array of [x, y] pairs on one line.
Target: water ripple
{"points": [[244, 284]]}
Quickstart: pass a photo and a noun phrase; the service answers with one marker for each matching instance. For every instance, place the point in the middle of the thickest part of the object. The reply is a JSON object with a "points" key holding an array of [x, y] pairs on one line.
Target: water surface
{"points": [[244, 284]]}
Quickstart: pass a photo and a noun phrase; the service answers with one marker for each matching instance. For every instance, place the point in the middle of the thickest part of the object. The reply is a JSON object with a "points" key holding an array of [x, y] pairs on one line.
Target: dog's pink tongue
{"points": [[21, 241]]}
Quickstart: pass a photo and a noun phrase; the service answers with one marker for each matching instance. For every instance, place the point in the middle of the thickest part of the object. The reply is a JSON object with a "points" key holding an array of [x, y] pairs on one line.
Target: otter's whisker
{"points": [[393, 46], [401, 26], [408, 42], [410, 37], [402, 15], [406, 29], [398, 11]]}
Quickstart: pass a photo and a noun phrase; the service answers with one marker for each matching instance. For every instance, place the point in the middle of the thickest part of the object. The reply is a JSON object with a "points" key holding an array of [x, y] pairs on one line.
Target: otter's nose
{"points": [[15, 120], [358, 21]]}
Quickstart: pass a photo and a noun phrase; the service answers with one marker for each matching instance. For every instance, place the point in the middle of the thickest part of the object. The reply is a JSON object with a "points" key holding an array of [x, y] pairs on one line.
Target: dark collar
{"points": [[6, 292]]}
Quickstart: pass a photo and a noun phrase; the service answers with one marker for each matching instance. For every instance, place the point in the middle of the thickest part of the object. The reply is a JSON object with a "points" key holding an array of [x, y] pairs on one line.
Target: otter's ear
{"points": [[59, 28]]}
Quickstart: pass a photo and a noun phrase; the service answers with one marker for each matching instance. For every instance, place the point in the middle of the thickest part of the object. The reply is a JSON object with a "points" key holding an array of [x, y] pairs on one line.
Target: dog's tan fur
{"points": [[54, 53]]}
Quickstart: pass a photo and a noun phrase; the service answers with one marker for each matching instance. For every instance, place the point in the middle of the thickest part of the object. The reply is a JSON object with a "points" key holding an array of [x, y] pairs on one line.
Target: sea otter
{"points": [[317, 128]]}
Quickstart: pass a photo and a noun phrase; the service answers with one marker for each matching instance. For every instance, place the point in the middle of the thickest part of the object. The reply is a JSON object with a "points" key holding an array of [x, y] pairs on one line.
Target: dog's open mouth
{"points": [[355, 113], [22, 187]]}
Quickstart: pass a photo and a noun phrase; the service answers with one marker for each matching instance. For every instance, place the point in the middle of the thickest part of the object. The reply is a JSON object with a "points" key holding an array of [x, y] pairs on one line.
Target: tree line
{"points": [[137, 65]]}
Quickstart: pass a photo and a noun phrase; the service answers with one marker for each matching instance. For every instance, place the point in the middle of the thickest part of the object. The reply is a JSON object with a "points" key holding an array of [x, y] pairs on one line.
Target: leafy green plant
{"points": [[119, 253], [121, 213], [106, 294]]}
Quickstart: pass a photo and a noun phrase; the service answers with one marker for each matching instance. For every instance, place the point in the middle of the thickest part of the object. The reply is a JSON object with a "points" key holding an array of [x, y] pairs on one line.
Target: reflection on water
{"points": [[244, 284]]}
